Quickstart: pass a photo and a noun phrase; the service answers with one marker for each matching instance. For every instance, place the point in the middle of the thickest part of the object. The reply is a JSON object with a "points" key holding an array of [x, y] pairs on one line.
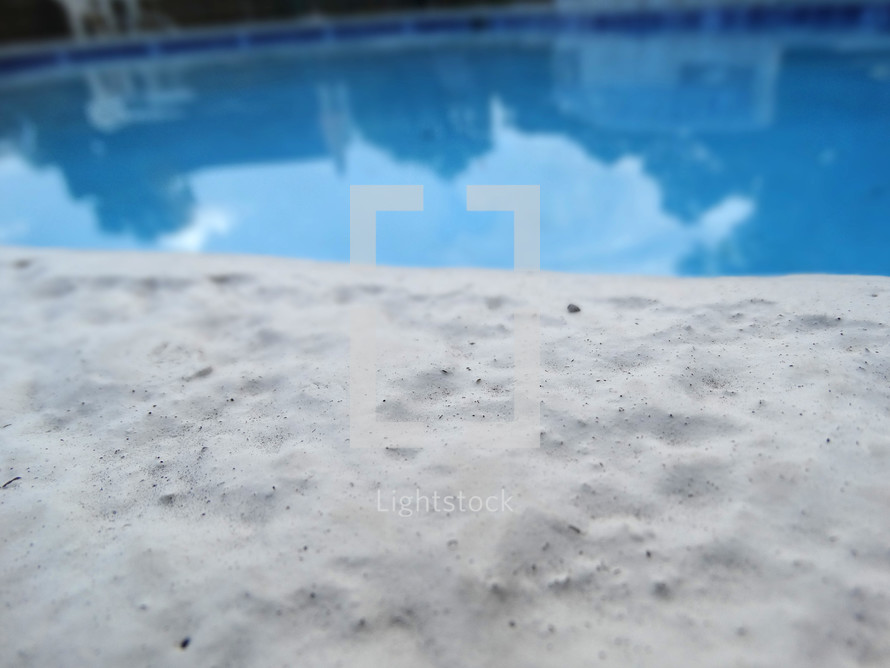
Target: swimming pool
{"points": [[662, 152]]}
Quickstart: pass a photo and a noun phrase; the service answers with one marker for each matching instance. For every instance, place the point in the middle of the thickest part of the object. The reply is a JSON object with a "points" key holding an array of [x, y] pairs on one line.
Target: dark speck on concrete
{"points": [[661, 590], [185, 642], [201, 373], [573, 308], [18, 477]]}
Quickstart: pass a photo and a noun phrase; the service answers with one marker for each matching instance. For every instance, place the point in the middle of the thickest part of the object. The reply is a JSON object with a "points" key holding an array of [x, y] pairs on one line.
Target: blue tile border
{"points": [[431, 26], [199, 44], [300, 35], [349, 31], [23, 63], [108, 52], [867, 17]]}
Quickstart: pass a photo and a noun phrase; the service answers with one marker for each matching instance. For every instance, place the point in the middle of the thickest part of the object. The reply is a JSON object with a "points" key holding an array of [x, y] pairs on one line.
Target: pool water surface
{"points": [[668, 155]]}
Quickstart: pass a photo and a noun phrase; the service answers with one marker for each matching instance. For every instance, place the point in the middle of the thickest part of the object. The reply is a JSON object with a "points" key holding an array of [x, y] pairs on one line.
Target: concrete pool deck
{"points": [[178, 486]]}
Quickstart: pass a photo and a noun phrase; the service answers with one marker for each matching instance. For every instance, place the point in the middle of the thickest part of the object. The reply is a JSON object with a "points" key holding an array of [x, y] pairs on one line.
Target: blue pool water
{"points": [[659, 154]]}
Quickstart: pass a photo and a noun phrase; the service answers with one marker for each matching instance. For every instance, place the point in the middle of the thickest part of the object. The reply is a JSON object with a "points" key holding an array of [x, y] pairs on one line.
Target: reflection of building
{"points": [[679, 82], [425, 106], [335, 120], [122, 96], [140, 138]]}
